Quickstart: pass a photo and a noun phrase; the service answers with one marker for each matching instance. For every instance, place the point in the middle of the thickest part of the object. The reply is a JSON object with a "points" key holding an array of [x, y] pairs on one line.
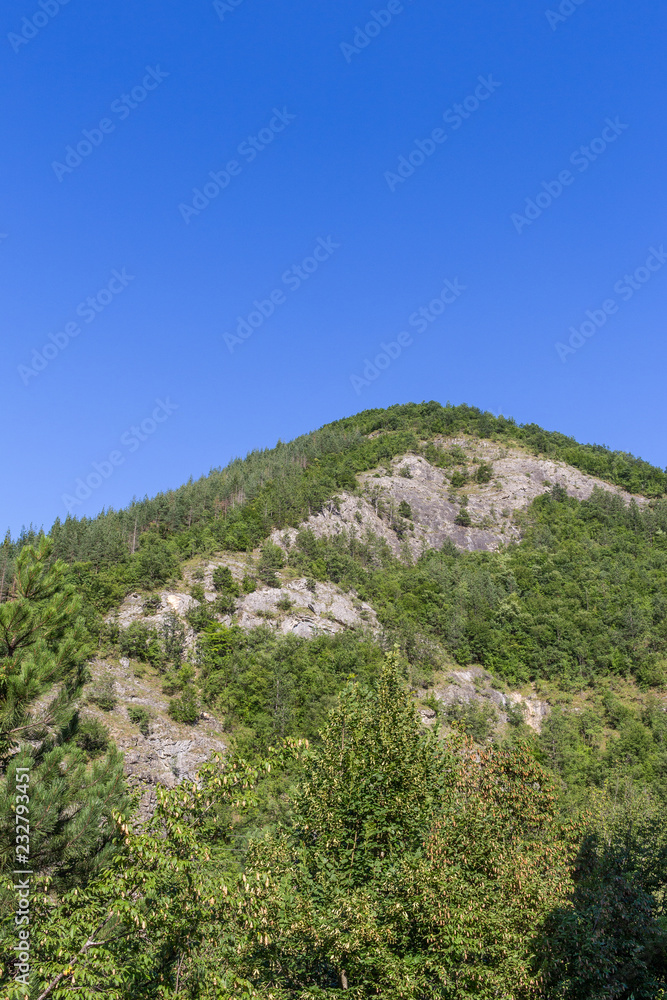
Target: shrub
{"points": [[140, 718], [133, 641], [475, 719], [152, 604], [103, 693], [271, 559], [185, 708], [405, 510], [223, 580], [284, 603], [458, 479], [93, 737], [484, 473], [225, 604], [463, 518]]}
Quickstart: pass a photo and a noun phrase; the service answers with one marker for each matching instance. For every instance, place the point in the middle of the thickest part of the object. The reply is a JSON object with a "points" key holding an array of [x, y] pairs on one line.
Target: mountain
{"points": [[515, 579]]}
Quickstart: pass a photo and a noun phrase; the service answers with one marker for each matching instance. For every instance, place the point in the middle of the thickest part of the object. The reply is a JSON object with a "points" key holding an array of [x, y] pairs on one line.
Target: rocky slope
{"points": [[166, 752], [517, 479]]}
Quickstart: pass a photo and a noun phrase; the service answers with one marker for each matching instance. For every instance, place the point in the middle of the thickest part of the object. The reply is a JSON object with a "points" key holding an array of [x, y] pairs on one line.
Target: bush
{"points": [[463, 518], [93, 737], [223, 580], [185, 708], [475, 719], [405, 510], [133, 641], [458, 479], [225, 604], [140, 718], [249, 584], [484, 473], [173, 637], [103, 693], [199, 616], [197, 592], [284, 603], [152, 604]]}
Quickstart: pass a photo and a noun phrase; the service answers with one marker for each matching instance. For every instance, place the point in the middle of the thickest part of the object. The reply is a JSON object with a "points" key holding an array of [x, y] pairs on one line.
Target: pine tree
{"points": [[42, 670]]}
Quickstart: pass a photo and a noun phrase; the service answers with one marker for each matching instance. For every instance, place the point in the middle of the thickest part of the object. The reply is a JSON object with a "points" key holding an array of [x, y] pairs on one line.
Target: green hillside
{"points": [[341, 847]]}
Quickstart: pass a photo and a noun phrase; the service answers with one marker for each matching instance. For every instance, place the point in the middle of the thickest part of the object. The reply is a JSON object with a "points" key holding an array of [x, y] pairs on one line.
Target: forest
{"points": [[341, 848]]}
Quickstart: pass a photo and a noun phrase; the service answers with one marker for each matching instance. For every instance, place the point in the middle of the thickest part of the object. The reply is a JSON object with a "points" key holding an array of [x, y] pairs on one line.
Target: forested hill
{"points": [[430, 647], [237, 506]]}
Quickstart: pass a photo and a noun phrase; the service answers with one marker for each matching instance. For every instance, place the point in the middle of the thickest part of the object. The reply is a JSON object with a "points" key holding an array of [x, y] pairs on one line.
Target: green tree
{"points": [[413, 869], [272, 558], [42, 670]]}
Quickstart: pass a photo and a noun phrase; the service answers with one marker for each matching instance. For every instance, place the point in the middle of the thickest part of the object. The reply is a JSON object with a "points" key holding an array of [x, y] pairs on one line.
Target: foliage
{"points": [[269, 686], [173, 637], [582, 596], [185, 708], [349, 850], [42, 671], [103, 692], [463, 517], [93, 737], [139, 717], [405, 510], [271, 559], [610, 939], [474, 718], [223, 579]]}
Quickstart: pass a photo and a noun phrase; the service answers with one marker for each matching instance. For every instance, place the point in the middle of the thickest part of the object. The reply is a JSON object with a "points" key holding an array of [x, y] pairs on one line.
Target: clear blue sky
{"points": [[305, 121]]}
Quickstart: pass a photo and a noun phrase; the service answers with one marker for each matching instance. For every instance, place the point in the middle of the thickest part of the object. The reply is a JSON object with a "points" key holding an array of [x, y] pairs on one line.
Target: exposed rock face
{"points": [[517, 479], [475, 684], [324, 609], [132, 610], [170, 752]]}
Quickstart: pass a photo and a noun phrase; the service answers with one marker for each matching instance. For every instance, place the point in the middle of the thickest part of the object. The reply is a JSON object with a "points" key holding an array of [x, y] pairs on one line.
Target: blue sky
{"points": [[214, 216]]}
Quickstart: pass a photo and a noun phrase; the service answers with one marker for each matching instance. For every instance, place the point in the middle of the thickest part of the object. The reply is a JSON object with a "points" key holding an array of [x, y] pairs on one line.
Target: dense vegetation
{"points": [[583, 595], [237, 507], [342, 848]]}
